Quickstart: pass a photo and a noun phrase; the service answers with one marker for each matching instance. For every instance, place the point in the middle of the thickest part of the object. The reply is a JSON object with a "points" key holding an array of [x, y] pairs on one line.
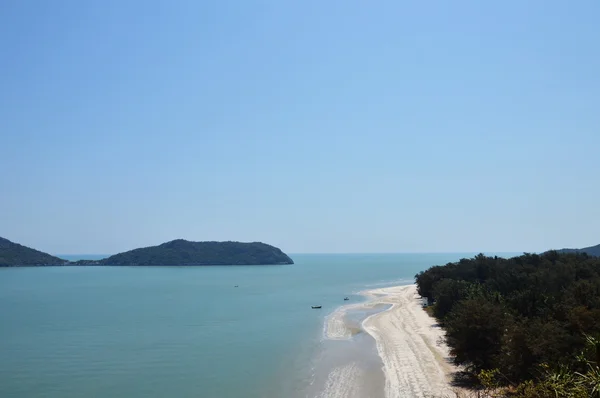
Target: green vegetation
{"points": [[182, 252], [527, 320], [177, 252], [15, 255], [557, 382], [590, 251]]}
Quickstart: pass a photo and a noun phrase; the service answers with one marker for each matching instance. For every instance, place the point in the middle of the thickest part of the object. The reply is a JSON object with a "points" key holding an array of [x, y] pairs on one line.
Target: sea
{"points": [[201, 332]]}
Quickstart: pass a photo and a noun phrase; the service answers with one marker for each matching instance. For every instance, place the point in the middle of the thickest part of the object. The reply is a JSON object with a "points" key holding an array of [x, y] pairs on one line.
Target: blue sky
{"points": [[316, 126]]}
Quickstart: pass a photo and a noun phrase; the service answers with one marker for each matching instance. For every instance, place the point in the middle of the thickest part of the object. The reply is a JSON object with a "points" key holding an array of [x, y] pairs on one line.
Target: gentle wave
{"points": [[335, 327], [341, 382], [388, 283]]}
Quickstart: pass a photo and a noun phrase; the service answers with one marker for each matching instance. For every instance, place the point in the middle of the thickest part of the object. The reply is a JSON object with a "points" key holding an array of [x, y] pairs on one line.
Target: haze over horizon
{"points": [[316, 127]]}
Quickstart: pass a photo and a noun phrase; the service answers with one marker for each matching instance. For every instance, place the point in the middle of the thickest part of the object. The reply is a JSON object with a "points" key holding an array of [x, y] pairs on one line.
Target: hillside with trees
{"points": [[177, 253], [528, 320], [590, 251], [16, 255], [183, 252]]}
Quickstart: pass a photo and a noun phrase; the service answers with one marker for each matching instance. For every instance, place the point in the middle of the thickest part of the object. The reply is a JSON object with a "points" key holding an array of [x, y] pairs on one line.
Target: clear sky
{"points": [[316, 126]]}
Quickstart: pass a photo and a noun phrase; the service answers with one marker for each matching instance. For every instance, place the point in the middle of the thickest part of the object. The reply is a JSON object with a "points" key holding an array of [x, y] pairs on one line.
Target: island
{"points": [[183, 252], [178, 252], [14, 255]]}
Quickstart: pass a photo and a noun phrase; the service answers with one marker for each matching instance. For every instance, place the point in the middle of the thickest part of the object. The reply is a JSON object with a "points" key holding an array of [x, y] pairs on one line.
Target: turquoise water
{"points": [[179, 331]]}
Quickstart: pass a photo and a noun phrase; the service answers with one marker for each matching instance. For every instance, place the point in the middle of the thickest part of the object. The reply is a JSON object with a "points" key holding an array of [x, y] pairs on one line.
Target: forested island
{"points": [[183, 252], [527, 326], [177, 252]]}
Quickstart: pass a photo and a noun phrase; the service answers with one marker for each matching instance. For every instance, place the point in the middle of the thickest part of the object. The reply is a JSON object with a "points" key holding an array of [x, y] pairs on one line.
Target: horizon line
{"points": [[328, 253]]}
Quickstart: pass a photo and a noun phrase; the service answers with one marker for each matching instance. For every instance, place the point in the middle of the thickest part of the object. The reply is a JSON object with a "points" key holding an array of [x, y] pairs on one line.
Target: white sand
{"points": [[411, 346]]}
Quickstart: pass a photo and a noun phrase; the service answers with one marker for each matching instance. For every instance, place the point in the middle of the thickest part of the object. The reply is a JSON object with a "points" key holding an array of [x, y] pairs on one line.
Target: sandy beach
{"points": [[410, 344]]}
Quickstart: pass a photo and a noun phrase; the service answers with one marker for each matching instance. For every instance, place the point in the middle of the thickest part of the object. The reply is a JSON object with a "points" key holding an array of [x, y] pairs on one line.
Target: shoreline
{"points": [[414, 357], [411, 346]]}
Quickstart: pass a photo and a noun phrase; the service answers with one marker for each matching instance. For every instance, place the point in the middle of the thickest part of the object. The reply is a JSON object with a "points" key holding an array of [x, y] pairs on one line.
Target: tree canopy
{"points": [[515, 315]]}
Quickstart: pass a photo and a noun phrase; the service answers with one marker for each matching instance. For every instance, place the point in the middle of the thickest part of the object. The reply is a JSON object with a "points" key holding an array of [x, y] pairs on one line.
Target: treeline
{"points": [[519, 317]]}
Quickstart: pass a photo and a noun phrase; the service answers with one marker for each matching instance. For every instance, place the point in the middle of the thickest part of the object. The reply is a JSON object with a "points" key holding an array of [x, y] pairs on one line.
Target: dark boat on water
{"points": [[346, 299], [315, 307]]}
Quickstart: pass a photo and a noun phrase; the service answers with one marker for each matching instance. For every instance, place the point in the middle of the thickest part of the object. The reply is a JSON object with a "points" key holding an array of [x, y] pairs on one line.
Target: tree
{"points": [[447, 293], [517, 314], [474, 330]]}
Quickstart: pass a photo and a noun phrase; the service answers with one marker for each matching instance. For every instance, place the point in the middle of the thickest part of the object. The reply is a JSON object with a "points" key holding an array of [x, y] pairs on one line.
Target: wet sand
{"points": [[350, 367]]}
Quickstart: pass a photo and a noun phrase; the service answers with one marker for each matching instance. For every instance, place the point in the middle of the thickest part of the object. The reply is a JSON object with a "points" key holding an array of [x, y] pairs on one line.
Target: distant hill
{"points": [[590, 251], [16, 255], [183, 252]]}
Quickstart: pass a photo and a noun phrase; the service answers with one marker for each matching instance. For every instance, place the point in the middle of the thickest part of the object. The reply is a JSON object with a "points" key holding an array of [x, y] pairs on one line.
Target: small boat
{"points": [[236, 286], [346, 299], [315, 307]]}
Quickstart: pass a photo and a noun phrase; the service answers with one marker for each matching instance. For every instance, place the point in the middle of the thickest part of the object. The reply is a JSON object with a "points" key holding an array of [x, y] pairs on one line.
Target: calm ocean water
{"points": [[180, 331]]}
